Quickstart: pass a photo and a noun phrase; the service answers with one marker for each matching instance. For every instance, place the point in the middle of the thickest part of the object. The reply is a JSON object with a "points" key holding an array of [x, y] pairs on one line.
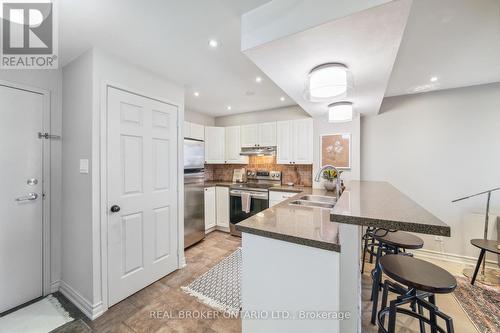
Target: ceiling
{"points": [[366, 42], [170, 38], [456, 41]]}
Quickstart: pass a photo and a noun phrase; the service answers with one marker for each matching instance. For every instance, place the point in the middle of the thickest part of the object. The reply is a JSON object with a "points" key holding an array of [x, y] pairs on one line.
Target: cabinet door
{"points": [[302, 135], [267, 134], [187, 129], [210, 208], [197, 132], [214, 145], [283, 142], [222, 200], [249, 135], [233, 146]]}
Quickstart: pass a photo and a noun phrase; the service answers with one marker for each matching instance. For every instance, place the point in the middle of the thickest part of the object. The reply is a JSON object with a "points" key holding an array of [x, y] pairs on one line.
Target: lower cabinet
{"points": [[275, 197], [217, 208], [210, 208], [222, 204]]}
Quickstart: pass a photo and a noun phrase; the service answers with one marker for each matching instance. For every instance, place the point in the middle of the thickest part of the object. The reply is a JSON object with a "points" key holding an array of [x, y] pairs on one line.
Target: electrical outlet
{"points": [[438, 238]]}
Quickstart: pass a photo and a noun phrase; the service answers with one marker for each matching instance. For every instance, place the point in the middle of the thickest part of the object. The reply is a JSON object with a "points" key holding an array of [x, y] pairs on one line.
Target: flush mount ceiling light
{"points": [[196, 94], [258, 79], [213, 43], [326, 81], [282, 98], [340, 112], [434, 79], [228, 107]]}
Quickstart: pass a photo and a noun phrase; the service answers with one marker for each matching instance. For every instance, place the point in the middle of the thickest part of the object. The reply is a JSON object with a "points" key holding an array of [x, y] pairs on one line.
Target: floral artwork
{"points": [[336, 150]]}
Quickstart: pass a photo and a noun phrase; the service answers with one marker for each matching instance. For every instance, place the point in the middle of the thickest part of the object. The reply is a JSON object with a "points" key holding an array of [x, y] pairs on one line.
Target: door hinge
{"points": [[47, 136]]}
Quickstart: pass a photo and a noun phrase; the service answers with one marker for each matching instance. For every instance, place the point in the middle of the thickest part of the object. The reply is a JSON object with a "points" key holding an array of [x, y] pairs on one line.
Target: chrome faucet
{"points": [[338, 185]]}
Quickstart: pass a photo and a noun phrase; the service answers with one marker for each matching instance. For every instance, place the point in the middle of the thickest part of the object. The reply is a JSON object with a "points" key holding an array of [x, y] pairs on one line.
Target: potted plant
{"points": [[331, 179]]}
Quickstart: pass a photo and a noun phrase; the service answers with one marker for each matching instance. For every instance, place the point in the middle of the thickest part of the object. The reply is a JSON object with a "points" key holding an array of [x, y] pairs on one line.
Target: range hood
{"points": [[258, 151]]}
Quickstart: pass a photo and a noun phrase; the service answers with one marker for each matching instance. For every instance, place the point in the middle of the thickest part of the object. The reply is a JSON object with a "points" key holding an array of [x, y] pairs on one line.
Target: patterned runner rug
{"points": [[481, 303], [220, 287]]}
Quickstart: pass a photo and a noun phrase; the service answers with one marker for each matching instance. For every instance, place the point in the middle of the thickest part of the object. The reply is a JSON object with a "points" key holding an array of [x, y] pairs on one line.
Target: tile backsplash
{"points": [[297, 174]]}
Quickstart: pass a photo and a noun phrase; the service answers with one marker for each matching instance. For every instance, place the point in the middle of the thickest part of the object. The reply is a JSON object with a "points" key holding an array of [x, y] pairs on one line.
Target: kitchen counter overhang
{"points": [[363, 203]]}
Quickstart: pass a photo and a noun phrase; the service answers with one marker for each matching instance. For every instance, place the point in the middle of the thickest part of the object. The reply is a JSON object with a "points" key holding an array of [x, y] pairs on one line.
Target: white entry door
{"points": [[142, 192], [20, 197]]}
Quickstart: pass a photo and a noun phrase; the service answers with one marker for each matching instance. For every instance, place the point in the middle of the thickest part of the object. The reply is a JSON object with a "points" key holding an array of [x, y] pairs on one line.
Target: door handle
{"points": [[115, 209], [30, 197]]}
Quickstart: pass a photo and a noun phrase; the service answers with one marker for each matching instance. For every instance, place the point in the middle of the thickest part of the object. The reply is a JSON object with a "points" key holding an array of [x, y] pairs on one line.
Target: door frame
{"points": [[102, 170], [46, 190]]}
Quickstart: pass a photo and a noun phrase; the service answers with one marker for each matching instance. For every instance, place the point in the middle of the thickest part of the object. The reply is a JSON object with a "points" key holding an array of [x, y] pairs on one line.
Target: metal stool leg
{"points": [[377, 278], [479, 261], [391, 328]]}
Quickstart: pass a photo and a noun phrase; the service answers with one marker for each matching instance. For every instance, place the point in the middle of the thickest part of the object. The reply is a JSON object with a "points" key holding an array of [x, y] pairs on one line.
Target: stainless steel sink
{"points": [[319, 198], [315, 201]]}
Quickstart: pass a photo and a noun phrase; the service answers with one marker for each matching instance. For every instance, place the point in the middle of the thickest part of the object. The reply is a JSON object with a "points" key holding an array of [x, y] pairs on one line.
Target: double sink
{"points": [[315, 201]]}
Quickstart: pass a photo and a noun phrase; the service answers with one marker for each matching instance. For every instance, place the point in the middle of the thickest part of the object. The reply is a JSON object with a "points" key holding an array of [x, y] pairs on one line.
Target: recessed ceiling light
{"points": [[282, 98], [258, 79], [326, 81], [340, 112], [228, 107], [434, 79], [213, 43], [196, 94]]}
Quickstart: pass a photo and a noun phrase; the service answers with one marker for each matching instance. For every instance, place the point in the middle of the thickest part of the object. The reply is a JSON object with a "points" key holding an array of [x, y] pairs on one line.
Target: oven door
{"points": [[259, 202]]}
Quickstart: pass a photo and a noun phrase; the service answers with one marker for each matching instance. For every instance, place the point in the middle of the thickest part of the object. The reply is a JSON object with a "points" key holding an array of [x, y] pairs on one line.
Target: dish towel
{"points": [[245, 202]]}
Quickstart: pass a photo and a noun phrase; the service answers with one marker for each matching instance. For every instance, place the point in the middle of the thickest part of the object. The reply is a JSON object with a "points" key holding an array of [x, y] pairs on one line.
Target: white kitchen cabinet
{"points": [[233, 146], [284, 142], [275, 197], [214, 145], [267, 134], [249, 135], [222, 204], [295, 141], [210, 208], [258, 135], [302, 134], [194, 131]]}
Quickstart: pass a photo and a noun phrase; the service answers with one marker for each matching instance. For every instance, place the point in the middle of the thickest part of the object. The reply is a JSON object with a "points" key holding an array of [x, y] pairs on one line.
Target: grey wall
{"points": [[48, 80], [436, 147], [286, 113], [199, 118]]}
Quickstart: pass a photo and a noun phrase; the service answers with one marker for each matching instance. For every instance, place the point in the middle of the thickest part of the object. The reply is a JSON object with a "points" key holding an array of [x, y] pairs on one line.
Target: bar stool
{"points": [[416, 280], [368, 247], [389, 242]]}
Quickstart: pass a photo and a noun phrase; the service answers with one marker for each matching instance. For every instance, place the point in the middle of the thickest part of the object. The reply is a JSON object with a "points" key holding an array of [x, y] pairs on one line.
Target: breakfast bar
{"points": [[299, 258]]}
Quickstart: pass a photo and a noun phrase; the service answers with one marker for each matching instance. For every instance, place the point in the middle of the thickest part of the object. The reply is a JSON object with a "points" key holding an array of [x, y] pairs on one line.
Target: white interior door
{"points": [[21, 116], [142, 182]]}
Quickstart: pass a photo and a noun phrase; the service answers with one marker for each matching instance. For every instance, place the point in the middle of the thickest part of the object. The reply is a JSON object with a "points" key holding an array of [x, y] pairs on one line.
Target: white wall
{"points": [[199, 118], [48, 80], [286, 113], [323, 127], [436, 147], [83, 106]]}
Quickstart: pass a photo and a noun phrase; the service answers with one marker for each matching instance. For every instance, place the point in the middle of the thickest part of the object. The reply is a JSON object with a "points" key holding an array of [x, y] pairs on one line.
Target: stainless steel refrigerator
{"points": [[194, 203]]}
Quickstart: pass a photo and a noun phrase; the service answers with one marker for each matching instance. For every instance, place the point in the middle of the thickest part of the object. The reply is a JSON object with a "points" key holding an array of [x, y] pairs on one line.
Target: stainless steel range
{"points": [[257, 186]]}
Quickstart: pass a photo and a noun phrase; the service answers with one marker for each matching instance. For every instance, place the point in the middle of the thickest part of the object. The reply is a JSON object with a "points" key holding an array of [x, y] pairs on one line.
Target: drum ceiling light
{"points": [[326, 81], [340, 112]]}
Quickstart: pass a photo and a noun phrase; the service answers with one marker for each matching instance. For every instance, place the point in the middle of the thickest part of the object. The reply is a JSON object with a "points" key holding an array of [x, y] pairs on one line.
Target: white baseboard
{"points": [[92, 311], [465, 260], [182, 262], [54, 286]]}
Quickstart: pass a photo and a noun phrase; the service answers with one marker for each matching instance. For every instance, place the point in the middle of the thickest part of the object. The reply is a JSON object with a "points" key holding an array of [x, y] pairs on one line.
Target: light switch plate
{"points": [[84, 166]]}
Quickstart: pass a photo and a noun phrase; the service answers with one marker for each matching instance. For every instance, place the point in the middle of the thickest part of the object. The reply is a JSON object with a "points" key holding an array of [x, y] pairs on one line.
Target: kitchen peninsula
{"points": [[297, 259]]}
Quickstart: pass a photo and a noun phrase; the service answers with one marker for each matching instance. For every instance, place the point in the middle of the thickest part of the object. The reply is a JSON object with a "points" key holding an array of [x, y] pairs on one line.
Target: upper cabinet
{"points": [[295, 141], [214, 145], [233, 146], [194, 131], [258, 135]]}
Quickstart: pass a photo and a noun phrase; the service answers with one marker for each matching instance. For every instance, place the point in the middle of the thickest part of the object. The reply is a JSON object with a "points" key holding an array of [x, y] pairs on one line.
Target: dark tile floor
{"points": [[165, 299]]}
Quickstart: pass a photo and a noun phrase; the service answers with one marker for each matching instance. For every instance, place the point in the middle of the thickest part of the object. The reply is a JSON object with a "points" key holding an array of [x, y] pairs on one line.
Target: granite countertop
{"points": [[308, 226], [381, 205]]}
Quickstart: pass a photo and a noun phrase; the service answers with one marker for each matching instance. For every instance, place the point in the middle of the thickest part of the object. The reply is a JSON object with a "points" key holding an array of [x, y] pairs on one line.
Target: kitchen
{"points": [[252, 166]]}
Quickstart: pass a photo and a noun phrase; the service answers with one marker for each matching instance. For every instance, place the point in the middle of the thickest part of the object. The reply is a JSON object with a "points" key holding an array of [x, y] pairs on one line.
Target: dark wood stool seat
{"points": [[416, 282], [418, 274], [399, 239]]}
